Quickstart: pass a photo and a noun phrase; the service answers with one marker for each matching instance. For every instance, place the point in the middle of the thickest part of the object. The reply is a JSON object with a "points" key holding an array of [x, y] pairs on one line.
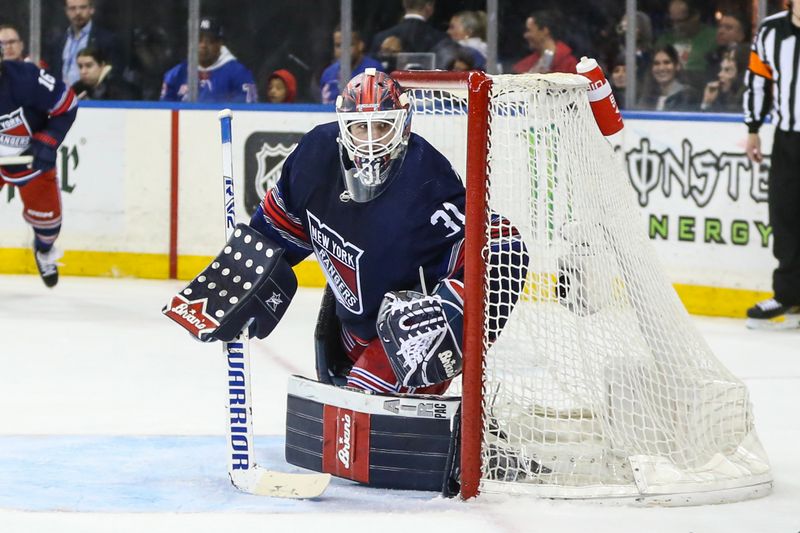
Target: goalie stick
{"points": [[245, 474]]}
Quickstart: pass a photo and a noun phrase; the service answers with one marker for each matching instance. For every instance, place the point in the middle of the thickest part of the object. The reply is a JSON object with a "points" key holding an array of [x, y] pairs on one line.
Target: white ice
{"points": [[112, 420]]}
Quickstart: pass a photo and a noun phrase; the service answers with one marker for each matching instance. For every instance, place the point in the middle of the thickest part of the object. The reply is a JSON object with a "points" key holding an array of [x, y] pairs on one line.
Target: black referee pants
{"points": [[784, 215]]}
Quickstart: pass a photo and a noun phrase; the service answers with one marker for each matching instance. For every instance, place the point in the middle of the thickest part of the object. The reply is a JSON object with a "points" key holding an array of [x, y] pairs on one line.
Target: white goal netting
{"points": [[598, 385]]}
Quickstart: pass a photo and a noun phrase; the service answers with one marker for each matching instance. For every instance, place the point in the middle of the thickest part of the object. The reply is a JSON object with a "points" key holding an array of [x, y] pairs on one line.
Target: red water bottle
{"points": [[604, 105]]}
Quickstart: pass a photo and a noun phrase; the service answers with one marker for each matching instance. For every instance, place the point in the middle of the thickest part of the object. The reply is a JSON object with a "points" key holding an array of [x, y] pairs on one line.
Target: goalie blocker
{"points": [[386, 441], [248, 284]]}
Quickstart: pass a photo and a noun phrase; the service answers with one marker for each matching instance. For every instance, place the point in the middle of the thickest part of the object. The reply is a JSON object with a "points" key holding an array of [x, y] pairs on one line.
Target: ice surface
{"points": [[112, 420]]}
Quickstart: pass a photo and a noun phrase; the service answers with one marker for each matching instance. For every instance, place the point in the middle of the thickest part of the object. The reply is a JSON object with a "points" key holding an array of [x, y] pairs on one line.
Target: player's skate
{"points": [[47, 263], [772, 314]]}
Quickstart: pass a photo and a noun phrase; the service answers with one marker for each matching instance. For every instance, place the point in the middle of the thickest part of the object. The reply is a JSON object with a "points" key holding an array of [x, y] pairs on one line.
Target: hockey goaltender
{"points": [[383, 212]]}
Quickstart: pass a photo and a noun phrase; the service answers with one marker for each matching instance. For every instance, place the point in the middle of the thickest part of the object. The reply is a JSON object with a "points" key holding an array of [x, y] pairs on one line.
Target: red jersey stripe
{"points": [[278, 217]]}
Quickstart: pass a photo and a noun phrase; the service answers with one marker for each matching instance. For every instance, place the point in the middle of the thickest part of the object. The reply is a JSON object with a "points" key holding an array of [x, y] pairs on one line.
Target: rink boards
{"points": [[142, 194]]}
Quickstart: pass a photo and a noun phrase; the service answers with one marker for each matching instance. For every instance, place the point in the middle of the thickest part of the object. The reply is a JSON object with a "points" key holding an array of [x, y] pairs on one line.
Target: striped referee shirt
{"points": [[771, 80]]}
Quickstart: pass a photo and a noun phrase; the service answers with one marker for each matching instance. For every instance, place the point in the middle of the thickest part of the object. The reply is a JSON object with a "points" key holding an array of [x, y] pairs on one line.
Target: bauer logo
{"points": [[264, 155]]}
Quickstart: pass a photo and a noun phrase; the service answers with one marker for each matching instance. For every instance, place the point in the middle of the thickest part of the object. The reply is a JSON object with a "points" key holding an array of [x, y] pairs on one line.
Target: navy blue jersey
{"points": [[367, 249], [34, 106]]}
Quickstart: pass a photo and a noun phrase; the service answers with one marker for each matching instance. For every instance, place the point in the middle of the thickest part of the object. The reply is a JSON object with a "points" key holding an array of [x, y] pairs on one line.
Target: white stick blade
{"points": [[282, 485], [16, 160]]}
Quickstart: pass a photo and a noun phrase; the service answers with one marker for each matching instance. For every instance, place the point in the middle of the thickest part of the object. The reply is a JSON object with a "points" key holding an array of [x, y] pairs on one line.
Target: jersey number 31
{"points": [[451, 217]]}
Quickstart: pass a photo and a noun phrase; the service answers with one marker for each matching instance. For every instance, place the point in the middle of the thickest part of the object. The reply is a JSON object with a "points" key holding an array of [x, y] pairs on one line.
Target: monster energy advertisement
{"points": [[704, 201]]}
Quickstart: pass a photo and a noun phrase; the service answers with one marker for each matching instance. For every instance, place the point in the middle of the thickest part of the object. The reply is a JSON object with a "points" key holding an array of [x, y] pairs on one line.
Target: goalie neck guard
{"points": [[374, 127]]}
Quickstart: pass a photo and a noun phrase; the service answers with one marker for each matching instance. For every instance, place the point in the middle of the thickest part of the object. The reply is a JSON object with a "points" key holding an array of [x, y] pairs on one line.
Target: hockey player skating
{"points": [[36, 112]]}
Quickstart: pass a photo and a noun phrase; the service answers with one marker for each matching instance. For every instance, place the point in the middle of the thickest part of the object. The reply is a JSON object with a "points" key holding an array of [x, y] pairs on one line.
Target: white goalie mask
{"points": [[374, 127]]}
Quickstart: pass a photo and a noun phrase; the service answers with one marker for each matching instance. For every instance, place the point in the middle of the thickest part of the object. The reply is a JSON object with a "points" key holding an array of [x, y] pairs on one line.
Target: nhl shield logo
{"points": [[265, 153], [340, 261]]}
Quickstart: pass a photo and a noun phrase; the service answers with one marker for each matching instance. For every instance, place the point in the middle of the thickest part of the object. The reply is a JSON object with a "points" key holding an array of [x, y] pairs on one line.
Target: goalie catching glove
{"points": [[421, 334], [248, 284]]}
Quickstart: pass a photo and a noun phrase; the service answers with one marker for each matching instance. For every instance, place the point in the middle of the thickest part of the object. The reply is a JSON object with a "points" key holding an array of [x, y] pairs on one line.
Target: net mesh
{"points": [[598, 383]]}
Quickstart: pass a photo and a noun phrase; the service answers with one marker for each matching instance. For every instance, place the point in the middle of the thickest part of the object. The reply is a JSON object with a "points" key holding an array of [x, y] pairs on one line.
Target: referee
{"points": [[773, 85]]}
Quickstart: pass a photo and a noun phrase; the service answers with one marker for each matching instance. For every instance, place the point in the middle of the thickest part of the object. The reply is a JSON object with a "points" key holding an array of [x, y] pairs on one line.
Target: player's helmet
{"points": [[374, 127]]}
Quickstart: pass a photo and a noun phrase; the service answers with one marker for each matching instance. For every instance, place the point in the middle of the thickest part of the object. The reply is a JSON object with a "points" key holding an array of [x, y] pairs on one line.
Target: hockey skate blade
{"points": [[790, 321], [263, 482]]}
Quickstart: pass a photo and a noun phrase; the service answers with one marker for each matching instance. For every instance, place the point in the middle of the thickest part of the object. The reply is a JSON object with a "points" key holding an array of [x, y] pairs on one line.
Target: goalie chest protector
{"points": [[366, 249], [386, 441]]}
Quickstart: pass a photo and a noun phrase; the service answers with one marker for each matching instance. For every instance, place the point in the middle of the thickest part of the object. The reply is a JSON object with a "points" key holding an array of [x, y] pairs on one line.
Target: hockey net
{"points": [[598, 385]]}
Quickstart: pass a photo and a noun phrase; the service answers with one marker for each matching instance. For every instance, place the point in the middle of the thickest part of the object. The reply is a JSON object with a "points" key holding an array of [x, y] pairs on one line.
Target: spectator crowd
{"points": [[691, 55]]}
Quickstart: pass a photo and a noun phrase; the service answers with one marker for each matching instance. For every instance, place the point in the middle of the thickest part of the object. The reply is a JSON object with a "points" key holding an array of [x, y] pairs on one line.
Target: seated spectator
{"points": [[549, 54], [618, 79], [468, 29], [387, 54], [221, 77], [153, 53], [98, 81], [663, 91], [329, 81], [13, 47], [692, 39], [644, 44], [463, 61], [414, 31], [83, 31], [391, 45], [724, 95], [731, 34], [281, 87]]}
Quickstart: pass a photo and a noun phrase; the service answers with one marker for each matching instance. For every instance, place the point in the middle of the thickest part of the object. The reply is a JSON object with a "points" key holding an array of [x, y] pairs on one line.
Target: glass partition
{"points": [[773, 6], [686, 50], [692, 54], [134, 42], [14, 30]]}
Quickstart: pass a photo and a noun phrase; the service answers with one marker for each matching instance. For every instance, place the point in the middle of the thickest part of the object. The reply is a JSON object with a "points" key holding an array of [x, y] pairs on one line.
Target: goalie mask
{"points": [[374, 127]]}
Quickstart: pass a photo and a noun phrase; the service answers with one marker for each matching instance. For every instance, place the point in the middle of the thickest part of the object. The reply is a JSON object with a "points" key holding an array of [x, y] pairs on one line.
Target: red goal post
{"points": [[477, 84], [598, 386]]}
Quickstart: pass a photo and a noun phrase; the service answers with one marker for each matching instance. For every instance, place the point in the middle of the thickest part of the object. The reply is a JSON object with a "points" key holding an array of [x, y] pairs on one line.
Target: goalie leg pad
{"points": [[248, 283], [422, 334], [387, 441]]}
